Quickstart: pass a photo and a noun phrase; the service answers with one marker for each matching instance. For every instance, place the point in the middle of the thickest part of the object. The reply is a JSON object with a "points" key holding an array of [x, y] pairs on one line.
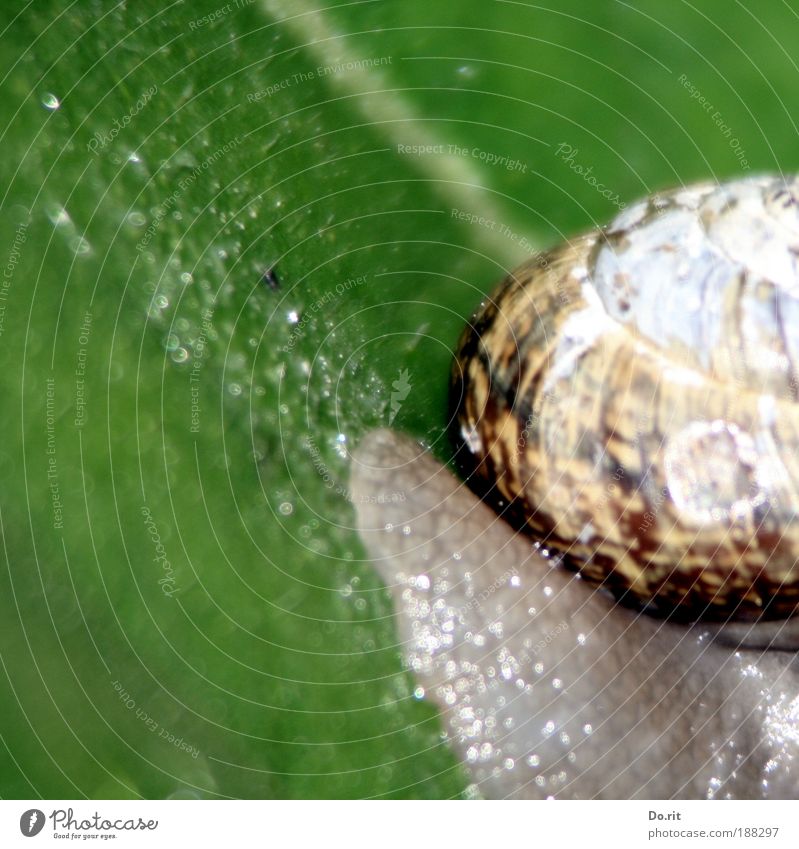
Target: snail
{"points": [[615, 437], [633, 398]]}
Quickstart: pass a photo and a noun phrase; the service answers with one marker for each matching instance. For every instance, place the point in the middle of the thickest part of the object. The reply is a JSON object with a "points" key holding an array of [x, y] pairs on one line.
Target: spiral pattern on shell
{"points": [[632, 397]]}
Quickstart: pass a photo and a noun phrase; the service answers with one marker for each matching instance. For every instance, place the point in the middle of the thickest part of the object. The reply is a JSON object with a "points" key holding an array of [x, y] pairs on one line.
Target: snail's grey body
{"points": [[546, 688]]}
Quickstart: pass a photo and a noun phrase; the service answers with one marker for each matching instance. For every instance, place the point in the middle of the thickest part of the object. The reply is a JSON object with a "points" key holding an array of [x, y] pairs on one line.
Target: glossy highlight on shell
{"points": [[632, 398]]}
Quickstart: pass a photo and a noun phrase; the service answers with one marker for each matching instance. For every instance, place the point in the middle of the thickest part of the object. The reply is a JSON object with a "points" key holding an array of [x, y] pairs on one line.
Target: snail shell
{"points": [[631, 397]]}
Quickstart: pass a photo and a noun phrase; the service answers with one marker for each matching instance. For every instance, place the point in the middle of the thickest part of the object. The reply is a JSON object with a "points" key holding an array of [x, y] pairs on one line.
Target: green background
{"points": [[275, 660]]}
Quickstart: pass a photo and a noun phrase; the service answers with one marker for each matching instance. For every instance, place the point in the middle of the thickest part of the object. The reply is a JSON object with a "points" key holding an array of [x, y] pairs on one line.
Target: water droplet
{"points": [[50, 101], [418, 693], [137, 219], [286, 508], [180, 355], [234, 389], [58, 215]]}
